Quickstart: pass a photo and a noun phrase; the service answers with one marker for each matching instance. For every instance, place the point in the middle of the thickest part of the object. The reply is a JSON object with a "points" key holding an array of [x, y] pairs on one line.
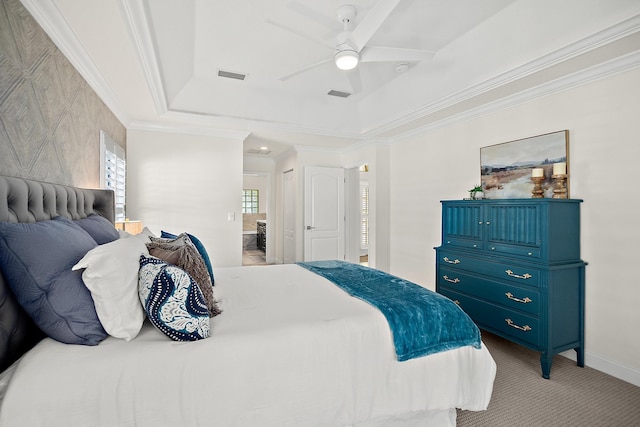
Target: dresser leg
{"points": [[545, 363], [580, 356]]}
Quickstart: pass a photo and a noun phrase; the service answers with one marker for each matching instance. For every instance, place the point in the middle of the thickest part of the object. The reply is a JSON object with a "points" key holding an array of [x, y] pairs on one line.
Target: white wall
{"points": [[603, 122], [190, 183]]}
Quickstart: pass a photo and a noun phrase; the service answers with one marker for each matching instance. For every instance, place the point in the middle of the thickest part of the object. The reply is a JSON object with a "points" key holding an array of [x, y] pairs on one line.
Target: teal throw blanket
{"points": [[422, 322]]}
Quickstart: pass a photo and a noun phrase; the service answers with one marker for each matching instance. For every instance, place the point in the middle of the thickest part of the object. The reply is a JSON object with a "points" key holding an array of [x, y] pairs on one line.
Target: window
{"points": [[364, 215], [113, 171], [250, 201]]}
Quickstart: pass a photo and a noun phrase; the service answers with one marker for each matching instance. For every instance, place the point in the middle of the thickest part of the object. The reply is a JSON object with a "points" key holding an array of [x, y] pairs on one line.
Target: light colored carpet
{"points": [[573, 396]]}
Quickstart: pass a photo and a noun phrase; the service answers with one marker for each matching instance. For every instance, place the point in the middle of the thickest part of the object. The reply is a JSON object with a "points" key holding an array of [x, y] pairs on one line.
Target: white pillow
{"points": [[123, 234], [145, 235], [111, 275]]}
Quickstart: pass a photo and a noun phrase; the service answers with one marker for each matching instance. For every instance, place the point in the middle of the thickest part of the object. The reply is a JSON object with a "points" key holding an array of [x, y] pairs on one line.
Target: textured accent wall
{"points": [[50, 118]]}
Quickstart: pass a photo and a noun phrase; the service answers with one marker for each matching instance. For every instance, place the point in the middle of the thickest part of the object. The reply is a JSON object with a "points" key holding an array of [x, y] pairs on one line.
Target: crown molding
{"points": [[138, 25], [598, 72], [616, 32], [49, 17], [255, 124], [186, 129]]}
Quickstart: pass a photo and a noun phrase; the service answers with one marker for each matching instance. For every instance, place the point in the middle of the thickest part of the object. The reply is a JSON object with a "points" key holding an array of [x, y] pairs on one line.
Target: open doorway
{"points": [[364, 214], [254, 218], [357, 230]]}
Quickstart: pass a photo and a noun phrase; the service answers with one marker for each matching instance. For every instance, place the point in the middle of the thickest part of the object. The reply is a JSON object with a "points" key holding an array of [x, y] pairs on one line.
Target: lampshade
{"points": [[347, 59]]}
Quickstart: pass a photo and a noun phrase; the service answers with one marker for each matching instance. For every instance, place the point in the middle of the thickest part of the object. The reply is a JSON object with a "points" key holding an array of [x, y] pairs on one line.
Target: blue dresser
{"points": [[514, 266]]}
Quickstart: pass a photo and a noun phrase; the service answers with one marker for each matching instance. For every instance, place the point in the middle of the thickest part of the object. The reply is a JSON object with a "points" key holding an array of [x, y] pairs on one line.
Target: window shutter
{"points": [[364, 216], [113, 168]]}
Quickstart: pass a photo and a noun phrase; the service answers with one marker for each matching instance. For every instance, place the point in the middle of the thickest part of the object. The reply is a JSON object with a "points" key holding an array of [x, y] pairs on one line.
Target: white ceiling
{"points": [[155, 62]]}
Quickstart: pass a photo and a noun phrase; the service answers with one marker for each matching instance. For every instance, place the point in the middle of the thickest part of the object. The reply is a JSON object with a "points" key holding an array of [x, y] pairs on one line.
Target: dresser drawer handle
{"points": [[525, 328], [456, 280], [524, 276], [524, 301], [455, 261]]}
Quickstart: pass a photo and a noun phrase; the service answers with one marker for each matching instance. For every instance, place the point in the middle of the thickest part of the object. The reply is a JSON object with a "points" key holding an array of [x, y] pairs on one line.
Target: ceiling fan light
{"points": [[347, 59]]}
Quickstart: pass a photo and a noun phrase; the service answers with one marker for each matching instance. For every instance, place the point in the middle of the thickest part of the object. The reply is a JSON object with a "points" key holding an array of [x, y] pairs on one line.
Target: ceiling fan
{"points": [[351, 47]]}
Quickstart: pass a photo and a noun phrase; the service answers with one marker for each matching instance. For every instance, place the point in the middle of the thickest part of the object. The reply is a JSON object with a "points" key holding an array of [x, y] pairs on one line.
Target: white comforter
{"points": [[290, 349]]}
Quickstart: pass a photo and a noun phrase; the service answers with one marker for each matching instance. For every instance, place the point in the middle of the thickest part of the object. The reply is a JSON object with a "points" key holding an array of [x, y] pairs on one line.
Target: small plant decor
{"points": [[473, 193]]}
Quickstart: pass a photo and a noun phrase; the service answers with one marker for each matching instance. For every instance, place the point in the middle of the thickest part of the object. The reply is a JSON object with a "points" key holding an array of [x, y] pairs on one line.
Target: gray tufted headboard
{"points": [[23, 200]]}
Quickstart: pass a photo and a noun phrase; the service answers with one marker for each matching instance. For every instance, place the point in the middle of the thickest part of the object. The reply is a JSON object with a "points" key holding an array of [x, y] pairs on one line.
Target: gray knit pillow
{"points": [[182, 253]]}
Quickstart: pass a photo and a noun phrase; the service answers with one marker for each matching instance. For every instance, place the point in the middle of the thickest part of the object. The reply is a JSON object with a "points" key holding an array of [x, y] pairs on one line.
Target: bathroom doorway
{"points": [[255, 203]]}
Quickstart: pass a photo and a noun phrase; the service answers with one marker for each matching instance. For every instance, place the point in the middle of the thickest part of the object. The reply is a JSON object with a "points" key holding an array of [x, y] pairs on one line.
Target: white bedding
{"points": [[289, 349]]}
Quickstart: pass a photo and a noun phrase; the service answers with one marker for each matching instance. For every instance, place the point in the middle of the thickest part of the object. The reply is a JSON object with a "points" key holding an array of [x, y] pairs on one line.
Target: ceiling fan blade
{"points": [[355, 79], [301, 34], [314, 15], [384, 54], [371, 22], [307, 68]]}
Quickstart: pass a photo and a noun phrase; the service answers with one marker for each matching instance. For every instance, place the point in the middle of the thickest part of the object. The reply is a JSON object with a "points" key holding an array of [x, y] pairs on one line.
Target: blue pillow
{"points": [[36, 260], [199, 246], [173, 300], [99, 228]]}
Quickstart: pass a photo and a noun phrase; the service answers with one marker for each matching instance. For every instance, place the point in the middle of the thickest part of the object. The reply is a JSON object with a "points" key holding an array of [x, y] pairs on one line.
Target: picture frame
{"points": [[506, 168]]}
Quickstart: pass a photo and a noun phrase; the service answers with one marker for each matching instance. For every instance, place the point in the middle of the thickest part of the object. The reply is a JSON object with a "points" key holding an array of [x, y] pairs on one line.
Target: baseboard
{"points": [[605, 365]]}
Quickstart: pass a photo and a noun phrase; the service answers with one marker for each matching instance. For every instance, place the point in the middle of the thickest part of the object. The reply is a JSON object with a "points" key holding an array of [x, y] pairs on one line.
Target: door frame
{"points": [[288, 195]]}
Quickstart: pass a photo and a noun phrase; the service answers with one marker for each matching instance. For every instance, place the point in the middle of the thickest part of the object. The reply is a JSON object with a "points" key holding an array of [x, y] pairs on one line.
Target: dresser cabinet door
{"points": [[463, 225], [514, 229]]}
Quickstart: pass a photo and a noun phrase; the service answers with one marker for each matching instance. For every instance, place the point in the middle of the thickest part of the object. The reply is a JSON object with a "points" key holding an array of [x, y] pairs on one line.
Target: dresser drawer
{"points": [[463, 243], [508, 295], [524, 275], [517, 325], [508, 250]]}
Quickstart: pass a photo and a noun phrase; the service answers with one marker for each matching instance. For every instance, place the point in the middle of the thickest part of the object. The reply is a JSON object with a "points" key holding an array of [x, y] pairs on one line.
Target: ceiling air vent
{"points": [[230, 75], [258, 151], [338, 93]]}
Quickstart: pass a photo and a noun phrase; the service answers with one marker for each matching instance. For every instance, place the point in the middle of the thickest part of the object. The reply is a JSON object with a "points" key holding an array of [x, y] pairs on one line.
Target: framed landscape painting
{"points": [[505, 169]]}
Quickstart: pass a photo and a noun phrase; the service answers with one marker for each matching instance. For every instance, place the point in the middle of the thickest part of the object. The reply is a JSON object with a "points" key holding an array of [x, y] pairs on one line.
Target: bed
{"points": [[290, 348]]}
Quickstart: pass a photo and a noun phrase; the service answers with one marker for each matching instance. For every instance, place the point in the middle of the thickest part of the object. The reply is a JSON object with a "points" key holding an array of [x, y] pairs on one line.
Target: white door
{"points": [[289, 246], [324, 214]]}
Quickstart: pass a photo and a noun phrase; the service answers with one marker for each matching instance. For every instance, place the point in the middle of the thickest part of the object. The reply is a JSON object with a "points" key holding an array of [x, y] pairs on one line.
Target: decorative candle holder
{"points": [[537, 192], [560, 190]]}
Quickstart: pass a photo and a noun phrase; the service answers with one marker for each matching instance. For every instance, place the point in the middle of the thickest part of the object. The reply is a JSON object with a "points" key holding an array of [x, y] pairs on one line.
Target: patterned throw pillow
{"points": [[172, 300], [182, 253]]}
